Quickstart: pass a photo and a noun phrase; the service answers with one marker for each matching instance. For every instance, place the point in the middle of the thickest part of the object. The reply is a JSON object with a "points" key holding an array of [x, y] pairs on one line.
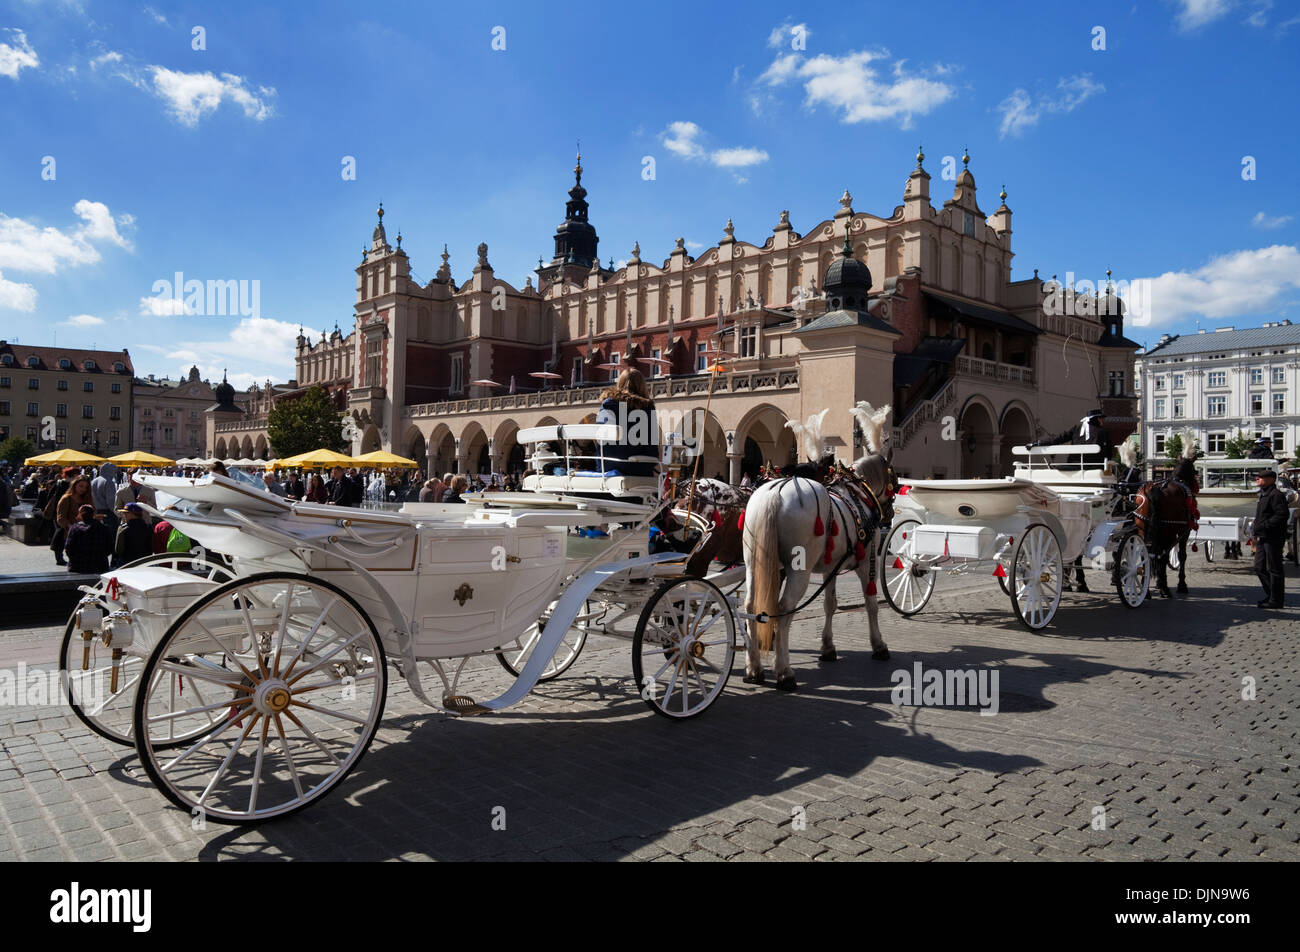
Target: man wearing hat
{"points": [[134, 535], [1263, 449], [1090, 429], [1269, 533]]}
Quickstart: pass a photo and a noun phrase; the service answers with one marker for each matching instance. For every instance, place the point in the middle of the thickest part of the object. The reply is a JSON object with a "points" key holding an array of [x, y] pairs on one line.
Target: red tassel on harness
{"points": [[860, 553], [818, 528], [716, 517], [835, 528], [999, 571], [740, 523], [871, 586], [898, 563]]}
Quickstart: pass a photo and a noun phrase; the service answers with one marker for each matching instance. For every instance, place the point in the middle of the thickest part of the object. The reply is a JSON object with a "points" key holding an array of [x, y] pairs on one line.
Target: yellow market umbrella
{"points": [[63, 458], [137, 458], [381, 459], [316, 459]]}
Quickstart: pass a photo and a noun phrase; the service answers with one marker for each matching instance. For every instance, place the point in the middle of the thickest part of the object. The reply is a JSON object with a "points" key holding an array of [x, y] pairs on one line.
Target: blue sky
{"points": [[225, 163]]}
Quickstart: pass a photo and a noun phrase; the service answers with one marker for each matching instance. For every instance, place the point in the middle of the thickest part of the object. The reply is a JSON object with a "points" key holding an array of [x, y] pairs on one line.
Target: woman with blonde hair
{"points": [[628, 404]]}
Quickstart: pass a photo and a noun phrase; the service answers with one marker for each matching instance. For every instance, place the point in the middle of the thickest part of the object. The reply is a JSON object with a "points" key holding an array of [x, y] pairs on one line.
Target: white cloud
{"points": [[1259, 16], [1196, 13], [84, 320], [1020, 111], [694, 245], [1236, 284], [20, 54], [155, 16], [260, 347], [15, 296], [786, 33], [190, 96], [850, 85], [683, 138], [104, 59], [1264, 221], [162, 306], [27, 247]]}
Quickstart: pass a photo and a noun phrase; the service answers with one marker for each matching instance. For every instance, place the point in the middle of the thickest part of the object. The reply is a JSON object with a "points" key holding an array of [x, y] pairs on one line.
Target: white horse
{"points": [[794, 527]]}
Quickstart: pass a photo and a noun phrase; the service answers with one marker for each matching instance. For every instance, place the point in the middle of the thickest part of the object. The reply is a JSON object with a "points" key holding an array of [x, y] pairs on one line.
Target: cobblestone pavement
{"points": [[1136, 718]]}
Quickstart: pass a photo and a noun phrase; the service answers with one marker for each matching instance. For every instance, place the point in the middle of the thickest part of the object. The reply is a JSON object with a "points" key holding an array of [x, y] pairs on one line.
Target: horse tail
{"points": [[763, 559]]}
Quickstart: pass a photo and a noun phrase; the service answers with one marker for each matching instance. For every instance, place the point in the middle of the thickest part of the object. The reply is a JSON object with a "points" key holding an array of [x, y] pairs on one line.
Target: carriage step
{"points": [[462, 705]]}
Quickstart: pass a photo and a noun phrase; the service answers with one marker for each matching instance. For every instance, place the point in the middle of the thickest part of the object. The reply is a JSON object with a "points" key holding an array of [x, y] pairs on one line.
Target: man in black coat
{"points": [[1263, 449], [1269, 532], [1091, 429], [337, 491]]}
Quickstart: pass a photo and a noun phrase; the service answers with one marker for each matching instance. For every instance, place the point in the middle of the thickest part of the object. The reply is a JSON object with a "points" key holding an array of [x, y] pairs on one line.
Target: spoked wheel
{"points": [[101, 698], [909, 578], [289, 676], [1037, 570], [1132, 570], [515, 655], [684, 647]]}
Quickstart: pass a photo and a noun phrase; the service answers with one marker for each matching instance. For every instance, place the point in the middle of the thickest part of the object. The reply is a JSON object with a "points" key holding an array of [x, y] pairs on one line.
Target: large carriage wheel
{"points": [[1132, 570], [294, 672], [515, 655], [684, 647], [1038, 572], [907, 589], [86, 664]]}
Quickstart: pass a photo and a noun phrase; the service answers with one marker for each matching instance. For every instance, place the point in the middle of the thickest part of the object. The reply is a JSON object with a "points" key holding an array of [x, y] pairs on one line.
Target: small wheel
{"points": [[515, 655], [909, 587], [1037, 569], [294, 674], [1132, 570], [101, 702], [684, 647]]}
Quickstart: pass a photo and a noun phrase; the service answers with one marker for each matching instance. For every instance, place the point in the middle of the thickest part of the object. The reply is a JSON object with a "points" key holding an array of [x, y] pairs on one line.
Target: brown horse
{"points": [[1163, 517]]}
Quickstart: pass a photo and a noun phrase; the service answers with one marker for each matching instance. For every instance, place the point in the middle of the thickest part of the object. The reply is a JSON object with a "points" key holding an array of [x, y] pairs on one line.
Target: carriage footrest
{"points": [[462, 705]]}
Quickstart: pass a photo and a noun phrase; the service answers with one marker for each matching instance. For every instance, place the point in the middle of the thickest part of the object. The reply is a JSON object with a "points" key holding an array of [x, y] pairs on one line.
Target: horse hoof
{"points": [[1182, 589], [880, 654], [754, 678], [1082, 588], [787, 683], [828, 656], [1165, 593]]}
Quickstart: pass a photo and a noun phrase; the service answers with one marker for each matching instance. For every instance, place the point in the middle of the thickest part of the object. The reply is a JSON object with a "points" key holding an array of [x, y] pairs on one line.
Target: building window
{"points": [[1279, 444], [4, 433], [115, 413], [120, 367], [1216, 442], [31, 433], [194, 416], [88, 365], [61, 410], [4, 382], [86, 435], [749, 342], [374, 353], [63, 385], [64, 363], [1256, 376], [1117, 383], [168, 434], [169, 413], [1178, 408], [33, 409], [1279, 403], [33, 361], [654, 367], [88, 386], [1160, 408], [61, 436], [1279, 375], [147, 412], [1256, 403], [117, 388], [4, 407], [114, 437], [1217, 407], [1178, 381], [701, 358], [88, 411], [33, 383], [1217, 378], [1160, 444], [1160, 382], [457, 373]]}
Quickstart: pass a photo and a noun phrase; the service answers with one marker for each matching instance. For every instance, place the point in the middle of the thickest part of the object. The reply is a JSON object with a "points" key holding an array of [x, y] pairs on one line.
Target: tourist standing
{"points": [[1269, 533]]}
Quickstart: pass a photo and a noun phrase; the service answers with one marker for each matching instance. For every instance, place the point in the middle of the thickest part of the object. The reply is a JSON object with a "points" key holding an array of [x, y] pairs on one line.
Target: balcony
{"points": [[992, 370]]}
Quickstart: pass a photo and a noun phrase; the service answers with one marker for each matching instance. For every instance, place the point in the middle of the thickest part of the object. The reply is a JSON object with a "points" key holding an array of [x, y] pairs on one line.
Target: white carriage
{"points": [[1226, 501], [1025, 529], [251, 684]]}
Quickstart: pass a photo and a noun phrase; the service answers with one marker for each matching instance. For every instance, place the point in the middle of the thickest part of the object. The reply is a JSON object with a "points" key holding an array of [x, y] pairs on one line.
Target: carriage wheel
{"points": [[907, 589], [515, 655], [86, 664], [293, 675], [1037, 569], [684, 647], [1132, 570]]}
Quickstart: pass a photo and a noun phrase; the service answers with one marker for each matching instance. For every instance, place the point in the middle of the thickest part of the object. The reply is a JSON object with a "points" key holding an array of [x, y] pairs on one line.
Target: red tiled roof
{"points": [[50, 356]]}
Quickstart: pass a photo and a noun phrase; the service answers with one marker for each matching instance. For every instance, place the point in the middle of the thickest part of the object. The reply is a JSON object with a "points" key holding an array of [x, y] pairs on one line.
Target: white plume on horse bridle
{"points": [[810, 432], [1128, 452], [872, 423], [1191, 447]]}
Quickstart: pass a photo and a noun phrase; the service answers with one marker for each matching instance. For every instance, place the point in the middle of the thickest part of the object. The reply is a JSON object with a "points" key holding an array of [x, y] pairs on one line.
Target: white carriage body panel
{"points": [[959, 542], [155, 596], [977, 500], [1223, 529]]}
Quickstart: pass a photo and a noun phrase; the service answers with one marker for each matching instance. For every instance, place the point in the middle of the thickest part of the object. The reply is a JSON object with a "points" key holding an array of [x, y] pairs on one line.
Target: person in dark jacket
{"points": [[1263, 449], [1090, 429], [337, 489], [294, 489], [1269, 534], [628, 404], [134, 535], [458, 486], [89, 543]]}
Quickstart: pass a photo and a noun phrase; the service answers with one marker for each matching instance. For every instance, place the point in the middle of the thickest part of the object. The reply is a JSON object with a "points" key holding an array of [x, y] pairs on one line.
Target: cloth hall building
{"points": [[916, 309]]}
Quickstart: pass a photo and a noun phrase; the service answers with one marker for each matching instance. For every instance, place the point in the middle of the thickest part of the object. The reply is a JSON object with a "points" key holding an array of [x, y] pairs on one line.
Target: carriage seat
{"points": [[593, 483]]}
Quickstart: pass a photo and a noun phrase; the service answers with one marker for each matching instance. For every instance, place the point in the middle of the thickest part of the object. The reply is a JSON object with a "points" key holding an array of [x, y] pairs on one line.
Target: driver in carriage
{"points": [[628, 404], [1263, 449], [1090, 429]]}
